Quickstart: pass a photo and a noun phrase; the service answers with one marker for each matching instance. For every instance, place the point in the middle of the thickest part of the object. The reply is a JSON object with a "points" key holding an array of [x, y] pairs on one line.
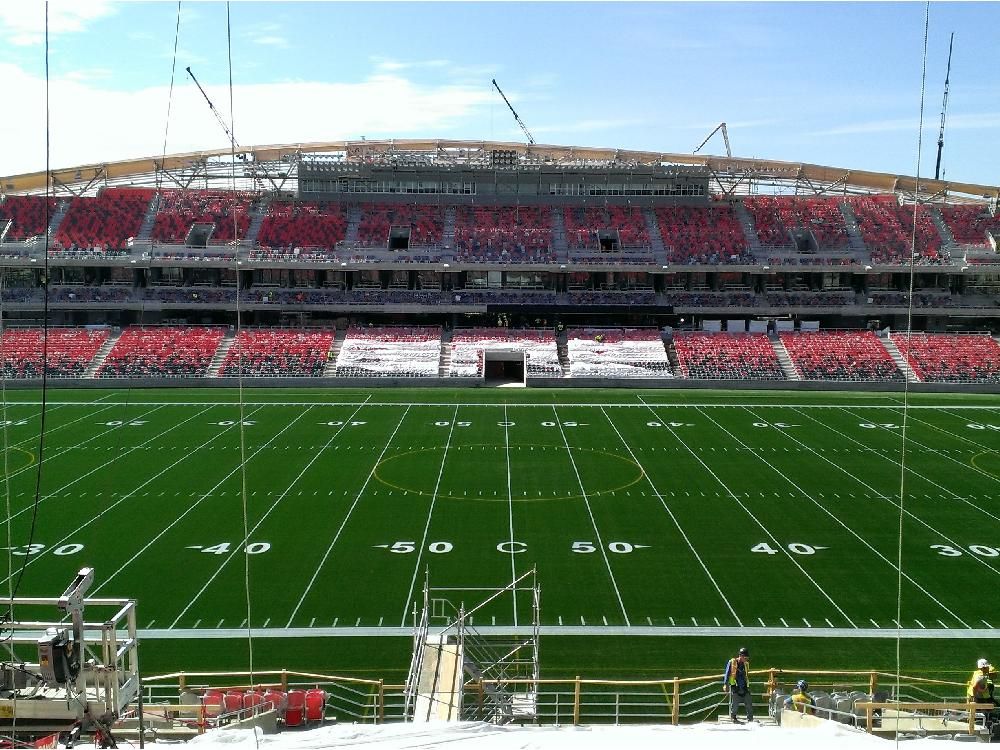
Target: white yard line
{"points": [[350, 511], [54, 545], [843, 525], [239, 549], [510, 512], [590, 512], [680, 530], [430, 513], [199, 500]]}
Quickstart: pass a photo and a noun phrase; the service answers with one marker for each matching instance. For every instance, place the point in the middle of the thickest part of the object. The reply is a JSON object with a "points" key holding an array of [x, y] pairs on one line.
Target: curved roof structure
{"points": [[725, 170]]}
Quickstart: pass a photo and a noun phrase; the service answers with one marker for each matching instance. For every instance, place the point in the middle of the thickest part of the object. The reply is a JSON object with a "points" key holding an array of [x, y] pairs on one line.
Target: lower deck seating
{"points": [[727, 356], [66, 352], [390, 352], [617, 353], [840, 355], [951, 358], [162, 352], [277, 353], [469, 347]]}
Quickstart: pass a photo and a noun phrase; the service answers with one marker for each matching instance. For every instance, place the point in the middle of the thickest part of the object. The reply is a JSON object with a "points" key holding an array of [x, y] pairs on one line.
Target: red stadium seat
{"points": [[315, 705], [295, 708]]}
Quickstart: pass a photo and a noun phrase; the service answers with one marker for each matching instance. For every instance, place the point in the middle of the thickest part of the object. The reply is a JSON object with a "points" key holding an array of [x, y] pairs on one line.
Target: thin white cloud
{"points": [[268, 35], [389, 65], [23, 23], [382, 106], [972, 121]]}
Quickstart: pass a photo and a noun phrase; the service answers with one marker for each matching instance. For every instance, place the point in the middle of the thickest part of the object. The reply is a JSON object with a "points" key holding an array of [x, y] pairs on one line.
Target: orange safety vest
{"points": [[734, 664], [977, 693]]}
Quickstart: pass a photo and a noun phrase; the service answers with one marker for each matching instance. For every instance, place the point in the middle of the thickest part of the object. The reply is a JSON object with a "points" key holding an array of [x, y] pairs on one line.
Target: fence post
{"points": [[772, 682], [576, 702], [284, 680], [182, 682], [675, 709], [380, 716], [870, 719], [480, 698], [972, 715], [872, 684]]}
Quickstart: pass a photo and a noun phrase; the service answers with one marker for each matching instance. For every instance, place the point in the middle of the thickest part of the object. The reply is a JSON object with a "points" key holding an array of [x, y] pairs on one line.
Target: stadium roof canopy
{"points": [[275, 165]]}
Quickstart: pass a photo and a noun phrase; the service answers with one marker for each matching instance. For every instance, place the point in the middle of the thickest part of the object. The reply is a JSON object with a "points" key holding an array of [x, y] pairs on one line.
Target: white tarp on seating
{"points": [[711, 326], [784, 325], [809, 325], [758, 326]]}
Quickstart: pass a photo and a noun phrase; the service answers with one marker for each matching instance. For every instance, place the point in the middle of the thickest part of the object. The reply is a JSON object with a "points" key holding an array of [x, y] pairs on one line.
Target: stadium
{"points": [[496, 430]]}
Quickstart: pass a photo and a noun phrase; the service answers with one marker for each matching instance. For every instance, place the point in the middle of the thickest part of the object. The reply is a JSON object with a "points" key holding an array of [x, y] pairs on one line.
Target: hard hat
{"points": [[744, 652], [802, 685], [982, 664]]}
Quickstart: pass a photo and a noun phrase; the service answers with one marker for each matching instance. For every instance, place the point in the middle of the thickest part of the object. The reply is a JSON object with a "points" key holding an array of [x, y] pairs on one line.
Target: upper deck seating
{"points": [[775, 216], [303, 224], [727, 356], [951, 358], [702, 234], [106, 222], [68, 353], [840, 355], [468, 349], [969, 224], [180, 209], [585, 223], [887, 230], [390, 352], [426, 223], [162, 352], [28, 214], [617, 353], [277, 352], [505, 234]]}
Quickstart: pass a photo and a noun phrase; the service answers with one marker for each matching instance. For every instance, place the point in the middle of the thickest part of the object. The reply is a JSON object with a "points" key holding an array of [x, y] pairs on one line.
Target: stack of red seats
{"points": [[426, 223], [584, 223], [276, 353], [840, 355], [105, 222], [887, 229], [28, 214], [303, 224], [502, 233], [725, 356], [179, 209], [68, 353], [951, 358], [969, 224], [162, 352], [701, 234]]}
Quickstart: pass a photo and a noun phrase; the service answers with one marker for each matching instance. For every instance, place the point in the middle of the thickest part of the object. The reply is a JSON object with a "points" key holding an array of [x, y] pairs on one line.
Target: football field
{"points": [[684, 512]]}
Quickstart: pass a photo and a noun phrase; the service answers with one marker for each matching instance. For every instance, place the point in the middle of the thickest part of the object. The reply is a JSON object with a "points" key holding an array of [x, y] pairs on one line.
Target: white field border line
{"points": [[430, 514], [510, 511], [33, 558], [578, 630], [240, 548], [588, 404], [756, 520], [347, 517], [590, 512], [963, 439], [194, 505], [673, 518], [913, 472], [852, 532]]}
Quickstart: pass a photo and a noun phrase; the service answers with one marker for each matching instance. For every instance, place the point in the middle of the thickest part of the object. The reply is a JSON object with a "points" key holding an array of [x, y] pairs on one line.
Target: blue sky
{"points": [[829, 83]]}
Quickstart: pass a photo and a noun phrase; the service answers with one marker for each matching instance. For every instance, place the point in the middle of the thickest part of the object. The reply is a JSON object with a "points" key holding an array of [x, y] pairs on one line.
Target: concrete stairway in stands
{"points": [[444, 362], [353, 222], [102, 354], [257, 216], [899, 359], [220, 356], [853, 230], [655, 238], [331, 362], [749, 228], [149, 220], [559, 243], [56, 219], [562, 349], [784, 359]]}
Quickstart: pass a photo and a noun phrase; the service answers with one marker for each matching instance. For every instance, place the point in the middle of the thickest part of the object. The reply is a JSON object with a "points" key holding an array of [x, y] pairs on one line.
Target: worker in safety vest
{"points": [[800, 700], [980, 688], [736, 683]]}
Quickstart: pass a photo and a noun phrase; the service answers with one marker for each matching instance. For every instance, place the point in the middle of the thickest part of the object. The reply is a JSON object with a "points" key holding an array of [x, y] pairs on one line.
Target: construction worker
{"points": [[980, 688], [800, 700], [736, 683]]}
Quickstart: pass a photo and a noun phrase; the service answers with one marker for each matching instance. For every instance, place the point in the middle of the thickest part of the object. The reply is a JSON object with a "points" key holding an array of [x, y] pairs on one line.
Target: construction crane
{"points": [[944, 111], [524, 128], [725, 136], [229, 133]]}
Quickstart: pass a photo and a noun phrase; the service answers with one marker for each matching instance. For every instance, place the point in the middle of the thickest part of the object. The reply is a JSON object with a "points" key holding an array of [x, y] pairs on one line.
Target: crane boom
{"points": [[944, 110], [725, 137], [229, 134], [524, 128]]}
